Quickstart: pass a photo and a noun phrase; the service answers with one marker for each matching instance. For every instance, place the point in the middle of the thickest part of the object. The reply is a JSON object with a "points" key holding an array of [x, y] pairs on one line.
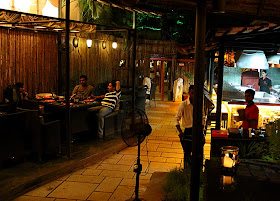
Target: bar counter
{"points": [[268, 111]]}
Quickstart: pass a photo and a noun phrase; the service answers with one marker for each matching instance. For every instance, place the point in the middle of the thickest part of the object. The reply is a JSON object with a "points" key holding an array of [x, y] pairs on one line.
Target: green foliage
{"points": [[93, 11], [273, 140], [252, 150], [189, 76], [268, 150], [173, 26], [177, 185]]}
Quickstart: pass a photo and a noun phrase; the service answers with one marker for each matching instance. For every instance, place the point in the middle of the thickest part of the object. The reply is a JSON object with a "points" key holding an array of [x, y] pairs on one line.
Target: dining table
{"points": [[53, 109]]}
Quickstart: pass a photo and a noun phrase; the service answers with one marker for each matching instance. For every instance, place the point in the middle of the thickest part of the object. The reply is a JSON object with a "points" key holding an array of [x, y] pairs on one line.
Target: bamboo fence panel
{"points": [[28, 57]]}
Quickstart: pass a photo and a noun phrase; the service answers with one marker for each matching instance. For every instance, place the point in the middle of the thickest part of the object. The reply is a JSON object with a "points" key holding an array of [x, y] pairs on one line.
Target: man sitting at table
{"points": [[108, 104], [15, 94], [83, 90]]}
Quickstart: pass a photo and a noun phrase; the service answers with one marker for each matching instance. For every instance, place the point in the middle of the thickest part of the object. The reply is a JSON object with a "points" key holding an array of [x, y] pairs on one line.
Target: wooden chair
{"points": [[13, 138], [45, 137]]}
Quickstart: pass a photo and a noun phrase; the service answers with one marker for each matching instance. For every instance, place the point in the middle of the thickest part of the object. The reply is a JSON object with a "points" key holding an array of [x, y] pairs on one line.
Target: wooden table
{"points": [[79, 120]]}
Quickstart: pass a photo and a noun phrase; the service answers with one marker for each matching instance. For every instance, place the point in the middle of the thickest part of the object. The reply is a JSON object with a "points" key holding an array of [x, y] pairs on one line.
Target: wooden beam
{"points": [[169, 59], [260, 7]]}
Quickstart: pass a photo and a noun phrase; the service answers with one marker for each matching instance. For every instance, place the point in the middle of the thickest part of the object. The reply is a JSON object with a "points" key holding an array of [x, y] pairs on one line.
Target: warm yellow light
{"points": [[75, 42], [39, 27], [114, 45], [23, 6], [5, 4], [58, 29], [89, 43]]}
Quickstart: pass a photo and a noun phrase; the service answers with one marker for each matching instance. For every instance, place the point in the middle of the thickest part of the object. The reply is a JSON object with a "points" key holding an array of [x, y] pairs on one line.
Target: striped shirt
{"points": [[111, 99]]}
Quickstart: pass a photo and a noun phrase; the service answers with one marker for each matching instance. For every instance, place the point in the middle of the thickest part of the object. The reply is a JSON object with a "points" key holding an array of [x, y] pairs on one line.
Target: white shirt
{"points": [[147, 81], [185, 112]]}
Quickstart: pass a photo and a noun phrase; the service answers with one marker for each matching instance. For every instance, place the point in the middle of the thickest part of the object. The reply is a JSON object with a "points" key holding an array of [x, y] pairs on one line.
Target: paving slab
{"points": [[73, 190], [109, 184]]}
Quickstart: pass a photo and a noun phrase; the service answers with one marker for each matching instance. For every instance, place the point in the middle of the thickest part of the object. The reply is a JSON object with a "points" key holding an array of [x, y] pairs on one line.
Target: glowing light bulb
{"points": [[115, 45], [89, 43]]}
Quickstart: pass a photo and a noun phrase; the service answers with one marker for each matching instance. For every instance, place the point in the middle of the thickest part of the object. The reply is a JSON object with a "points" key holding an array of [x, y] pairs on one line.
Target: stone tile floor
{"points": [[113, 178]]}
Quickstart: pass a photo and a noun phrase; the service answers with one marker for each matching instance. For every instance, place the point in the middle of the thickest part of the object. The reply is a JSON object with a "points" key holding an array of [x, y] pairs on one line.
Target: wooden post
{"points": [[211, 74], [172, 72], [197, 130], [220, 87], [155, 71], [67, 94], [133, 61], [127, 64], [162, 73]]}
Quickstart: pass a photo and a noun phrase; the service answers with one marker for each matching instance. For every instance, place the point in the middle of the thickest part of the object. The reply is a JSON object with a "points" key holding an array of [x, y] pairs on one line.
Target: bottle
{"points": [[250, 132]]}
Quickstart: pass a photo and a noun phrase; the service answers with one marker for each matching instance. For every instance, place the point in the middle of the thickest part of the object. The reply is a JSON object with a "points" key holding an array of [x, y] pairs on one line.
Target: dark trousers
{"points": [[186, 143]]}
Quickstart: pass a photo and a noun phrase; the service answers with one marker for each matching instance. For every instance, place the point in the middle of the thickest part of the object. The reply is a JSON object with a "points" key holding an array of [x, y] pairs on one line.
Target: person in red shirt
{"points": [[251, 115]]}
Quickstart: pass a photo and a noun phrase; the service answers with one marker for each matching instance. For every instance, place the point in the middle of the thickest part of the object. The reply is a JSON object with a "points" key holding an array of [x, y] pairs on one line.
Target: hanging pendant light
{"points": [[252, 59]]}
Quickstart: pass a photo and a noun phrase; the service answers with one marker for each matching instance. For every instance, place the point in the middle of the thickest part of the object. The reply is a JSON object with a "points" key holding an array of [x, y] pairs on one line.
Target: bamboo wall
{"points": [[146, 48], [102, 65], [29, 57], [97, 63], [37, 59]]}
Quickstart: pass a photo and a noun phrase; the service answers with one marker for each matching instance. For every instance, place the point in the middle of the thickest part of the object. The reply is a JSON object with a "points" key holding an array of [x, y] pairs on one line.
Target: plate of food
{"points": [[49, 101], [70, 104], [47, 97]]}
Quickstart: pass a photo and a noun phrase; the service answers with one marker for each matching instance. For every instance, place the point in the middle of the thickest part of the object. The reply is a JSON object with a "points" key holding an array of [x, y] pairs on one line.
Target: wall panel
{"points": [[28, 57]]}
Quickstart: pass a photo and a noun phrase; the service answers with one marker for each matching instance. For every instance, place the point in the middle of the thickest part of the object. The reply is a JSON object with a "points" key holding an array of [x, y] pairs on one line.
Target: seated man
{"points": [[109, 102], [15, 94], [82, 91]]}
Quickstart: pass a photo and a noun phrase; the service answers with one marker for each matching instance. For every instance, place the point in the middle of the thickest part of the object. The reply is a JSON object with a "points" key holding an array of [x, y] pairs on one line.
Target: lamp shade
{"points": [[253, 59], [89, 43]]}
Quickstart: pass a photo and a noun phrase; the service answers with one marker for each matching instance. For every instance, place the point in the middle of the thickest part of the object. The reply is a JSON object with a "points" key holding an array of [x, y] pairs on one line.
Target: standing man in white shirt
{"points": [[185, 112]]}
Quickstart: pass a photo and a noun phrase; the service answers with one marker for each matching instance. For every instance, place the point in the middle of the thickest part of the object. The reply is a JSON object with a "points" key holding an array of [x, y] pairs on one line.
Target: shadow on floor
{"points": [[19, 179]]}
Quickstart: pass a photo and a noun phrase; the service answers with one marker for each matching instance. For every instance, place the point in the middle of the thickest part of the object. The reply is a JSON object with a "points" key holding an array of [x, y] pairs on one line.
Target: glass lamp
{"points": [[229, 159]]}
